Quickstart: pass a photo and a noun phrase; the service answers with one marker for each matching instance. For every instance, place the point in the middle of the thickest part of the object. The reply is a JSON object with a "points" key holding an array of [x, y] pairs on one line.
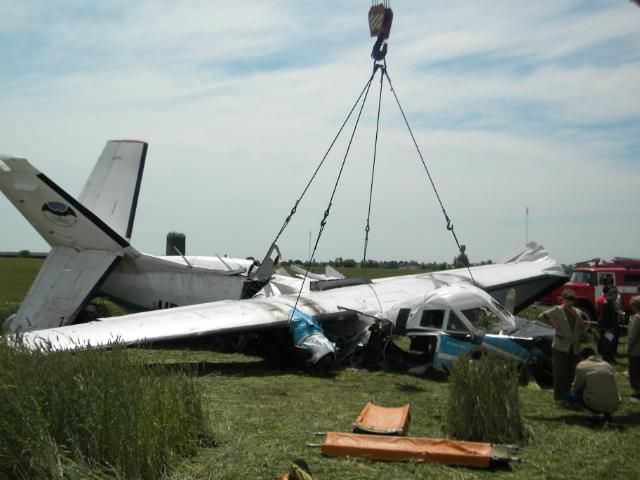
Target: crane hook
{"points": [[380, 19]]}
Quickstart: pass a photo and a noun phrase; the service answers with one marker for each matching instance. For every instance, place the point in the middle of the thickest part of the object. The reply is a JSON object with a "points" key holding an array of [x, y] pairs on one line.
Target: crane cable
{"points": [[325, 216], [315, 173], [373, 166], [461, 248], [365, 91]]}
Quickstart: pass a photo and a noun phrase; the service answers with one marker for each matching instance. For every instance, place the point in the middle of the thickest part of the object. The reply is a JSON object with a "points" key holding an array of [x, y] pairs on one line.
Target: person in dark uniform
{"points": [[608, 327]]}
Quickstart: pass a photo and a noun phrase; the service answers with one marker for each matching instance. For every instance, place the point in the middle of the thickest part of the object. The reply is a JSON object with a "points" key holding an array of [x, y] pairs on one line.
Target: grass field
{"points": [[262, 416], [16, 275]]}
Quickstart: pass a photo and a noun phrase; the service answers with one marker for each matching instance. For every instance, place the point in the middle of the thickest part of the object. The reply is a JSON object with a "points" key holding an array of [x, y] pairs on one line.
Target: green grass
{"points": [[16, 275], [107, 410], [482, 411], [262, 416]]}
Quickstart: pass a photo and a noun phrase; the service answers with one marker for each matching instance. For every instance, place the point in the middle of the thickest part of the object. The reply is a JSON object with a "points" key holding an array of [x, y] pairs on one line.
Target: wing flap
{"points": [[65, 283]]}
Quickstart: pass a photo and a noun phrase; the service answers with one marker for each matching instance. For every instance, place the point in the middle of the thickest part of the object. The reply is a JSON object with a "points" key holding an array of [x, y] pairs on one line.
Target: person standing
{"points": [[608, 327], [600, 302], [633, 349], [567, 322]]}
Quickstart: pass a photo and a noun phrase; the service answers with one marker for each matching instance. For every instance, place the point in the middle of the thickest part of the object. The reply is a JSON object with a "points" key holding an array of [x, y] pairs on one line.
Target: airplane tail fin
{"points": [[88, 238], [112, 190]]}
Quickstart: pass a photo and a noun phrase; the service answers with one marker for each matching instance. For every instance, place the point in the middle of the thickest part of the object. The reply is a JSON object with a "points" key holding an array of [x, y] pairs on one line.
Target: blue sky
{"points": [[513, 103]]}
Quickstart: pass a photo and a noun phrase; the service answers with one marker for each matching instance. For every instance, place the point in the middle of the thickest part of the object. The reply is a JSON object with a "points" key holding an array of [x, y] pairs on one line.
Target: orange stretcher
{"points": [[382, 420], [448, 452]]}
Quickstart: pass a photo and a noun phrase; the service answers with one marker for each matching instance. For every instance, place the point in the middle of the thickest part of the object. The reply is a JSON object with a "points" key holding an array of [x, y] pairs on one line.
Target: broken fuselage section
{"points": [[463, 320]]}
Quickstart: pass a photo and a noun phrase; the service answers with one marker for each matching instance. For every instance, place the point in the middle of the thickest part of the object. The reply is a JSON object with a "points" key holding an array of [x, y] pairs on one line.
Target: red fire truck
{"points": [[590, 277]]}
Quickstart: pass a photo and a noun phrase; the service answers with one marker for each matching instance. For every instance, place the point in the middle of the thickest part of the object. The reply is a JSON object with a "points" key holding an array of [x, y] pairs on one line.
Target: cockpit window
{"points": [[432, 318], [455, 324], [487, 320], [499, 307]]}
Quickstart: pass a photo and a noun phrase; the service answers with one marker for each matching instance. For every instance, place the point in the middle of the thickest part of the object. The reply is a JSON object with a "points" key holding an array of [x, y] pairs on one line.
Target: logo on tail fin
{"points": [[59, 213]]}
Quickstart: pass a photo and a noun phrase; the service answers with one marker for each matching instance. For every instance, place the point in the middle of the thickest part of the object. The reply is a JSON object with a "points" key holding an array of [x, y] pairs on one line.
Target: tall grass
{"points": [[63, 414], [484, 402]]}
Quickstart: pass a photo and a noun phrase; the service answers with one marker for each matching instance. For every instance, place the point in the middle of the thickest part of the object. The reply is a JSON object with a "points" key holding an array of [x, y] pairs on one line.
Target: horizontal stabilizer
{"points": [[56, 215], [67, 280], [112, 190]]}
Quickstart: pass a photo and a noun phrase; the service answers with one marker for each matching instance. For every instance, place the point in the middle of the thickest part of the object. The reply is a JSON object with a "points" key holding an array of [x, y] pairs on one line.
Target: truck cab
{"points": [[589, 279]]}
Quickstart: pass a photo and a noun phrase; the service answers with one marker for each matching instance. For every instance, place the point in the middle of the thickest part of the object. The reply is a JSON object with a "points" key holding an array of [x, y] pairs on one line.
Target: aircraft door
{"points": [[400, 326]]}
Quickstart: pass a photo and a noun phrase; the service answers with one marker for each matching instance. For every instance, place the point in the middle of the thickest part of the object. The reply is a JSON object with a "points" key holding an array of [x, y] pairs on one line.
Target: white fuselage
{"points": [[150, 282]]}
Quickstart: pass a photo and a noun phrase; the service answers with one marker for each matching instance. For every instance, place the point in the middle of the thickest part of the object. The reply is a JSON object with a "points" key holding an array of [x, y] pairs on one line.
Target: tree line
{"points": [[341, 262]]}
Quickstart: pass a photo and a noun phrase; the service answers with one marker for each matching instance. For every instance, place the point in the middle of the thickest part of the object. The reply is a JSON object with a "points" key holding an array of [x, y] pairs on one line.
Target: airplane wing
{"points": [[112, 190], [173, 324], [67, 280], [382, 298], [228, 316], [518, 280]]}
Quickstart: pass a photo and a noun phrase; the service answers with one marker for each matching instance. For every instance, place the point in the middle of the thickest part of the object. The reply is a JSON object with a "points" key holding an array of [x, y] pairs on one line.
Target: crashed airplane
{"points": [[443, 313], [90, 249]]}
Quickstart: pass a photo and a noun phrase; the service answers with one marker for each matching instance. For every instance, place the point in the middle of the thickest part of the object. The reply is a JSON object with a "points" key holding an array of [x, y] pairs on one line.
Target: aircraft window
{"points": [[455, 324], [432, 318], [486, 319]]}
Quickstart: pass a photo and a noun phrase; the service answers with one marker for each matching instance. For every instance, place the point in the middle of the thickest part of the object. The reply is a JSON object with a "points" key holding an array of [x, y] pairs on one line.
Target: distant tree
{"points": [[349, 263], [24, 254]]}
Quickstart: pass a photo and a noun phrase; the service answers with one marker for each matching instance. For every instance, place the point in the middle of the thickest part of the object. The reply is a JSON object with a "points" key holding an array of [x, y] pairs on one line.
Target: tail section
{"points": [[102, 219], [59, 218], [66, 282], [112, 190], [87, 240]]}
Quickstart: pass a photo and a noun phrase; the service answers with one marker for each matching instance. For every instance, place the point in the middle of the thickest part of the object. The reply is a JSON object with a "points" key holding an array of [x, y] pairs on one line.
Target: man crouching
{"points": [[594, 387]]}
